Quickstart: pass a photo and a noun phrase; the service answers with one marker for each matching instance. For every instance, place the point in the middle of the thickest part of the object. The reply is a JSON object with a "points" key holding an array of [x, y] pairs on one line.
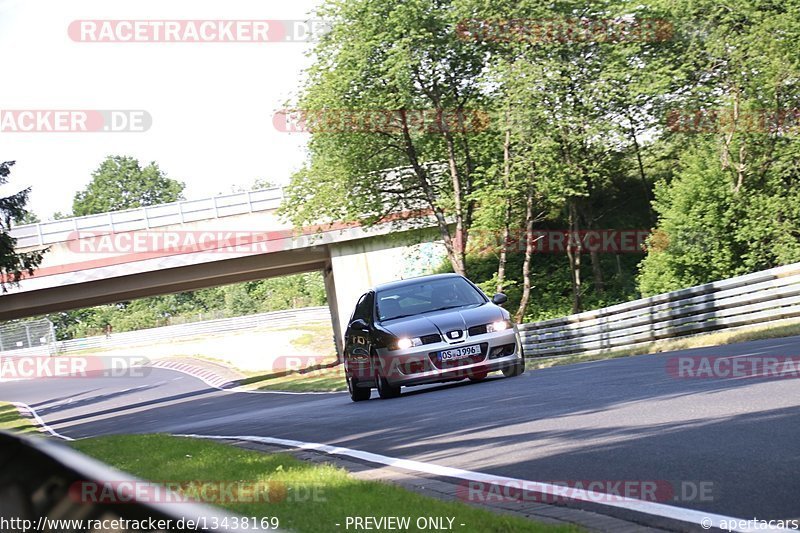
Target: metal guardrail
{"points": [[752, 299], [275, 319], [41, 484], [145, 218]]}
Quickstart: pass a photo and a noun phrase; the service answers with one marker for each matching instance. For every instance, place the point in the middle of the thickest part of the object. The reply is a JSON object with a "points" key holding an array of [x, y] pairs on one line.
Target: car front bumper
{"points": [[420, 364]]}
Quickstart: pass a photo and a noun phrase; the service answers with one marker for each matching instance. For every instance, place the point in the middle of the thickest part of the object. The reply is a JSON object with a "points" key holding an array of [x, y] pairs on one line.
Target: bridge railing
{"points": [[145, 218], [754, 299]]}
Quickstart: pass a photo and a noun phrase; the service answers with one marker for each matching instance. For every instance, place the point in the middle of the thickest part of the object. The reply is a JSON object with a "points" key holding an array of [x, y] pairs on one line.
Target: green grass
{"points": [[336, 494], [718, 338], [10, 420], [326, 376]]}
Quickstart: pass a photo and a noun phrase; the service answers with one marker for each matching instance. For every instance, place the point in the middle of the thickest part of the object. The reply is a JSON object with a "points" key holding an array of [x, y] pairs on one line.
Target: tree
{"points": [[406, 60], [29, 217], [13, 265], [121, 183], [733, 206]]}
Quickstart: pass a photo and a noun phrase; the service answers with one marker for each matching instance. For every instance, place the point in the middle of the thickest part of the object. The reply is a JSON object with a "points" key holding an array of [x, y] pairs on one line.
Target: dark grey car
{"points": [[427, 330]]}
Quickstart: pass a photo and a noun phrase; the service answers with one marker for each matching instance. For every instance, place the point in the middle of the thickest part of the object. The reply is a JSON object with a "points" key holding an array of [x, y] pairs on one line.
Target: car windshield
{"points": [[426, 296]]}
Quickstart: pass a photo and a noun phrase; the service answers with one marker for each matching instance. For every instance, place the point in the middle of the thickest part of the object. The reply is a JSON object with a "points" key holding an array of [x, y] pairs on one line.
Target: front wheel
{"points": [[513, 371], [385, 391], [357, 394]]}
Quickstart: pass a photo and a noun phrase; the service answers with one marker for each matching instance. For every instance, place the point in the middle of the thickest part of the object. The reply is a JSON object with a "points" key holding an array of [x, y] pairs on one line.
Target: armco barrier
{"points": [[275, 319], [752, 299], [38, 481]]}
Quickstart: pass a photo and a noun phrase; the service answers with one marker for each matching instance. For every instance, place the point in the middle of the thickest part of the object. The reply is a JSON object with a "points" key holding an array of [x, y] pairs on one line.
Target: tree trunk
{"points": [[597, 271], [594, 254], [526, 264], [642, 176], [454, 246], [461, 233], [501, 265], [574, 256]]}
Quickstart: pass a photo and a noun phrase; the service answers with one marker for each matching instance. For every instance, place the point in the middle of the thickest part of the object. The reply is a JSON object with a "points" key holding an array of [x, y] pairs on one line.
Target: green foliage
{"points": [[694, 242], [579, 137], [121, 183], [733, 205], [13, 264], [274, 294]]}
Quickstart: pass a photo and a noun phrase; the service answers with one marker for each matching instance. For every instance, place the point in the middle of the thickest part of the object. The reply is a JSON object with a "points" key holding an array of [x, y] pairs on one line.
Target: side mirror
{"points": [[499, 298], [359, 323]]}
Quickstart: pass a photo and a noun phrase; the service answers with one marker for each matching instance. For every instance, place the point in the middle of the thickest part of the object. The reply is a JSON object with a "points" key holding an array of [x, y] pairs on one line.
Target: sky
{"points": [[211, 103]]}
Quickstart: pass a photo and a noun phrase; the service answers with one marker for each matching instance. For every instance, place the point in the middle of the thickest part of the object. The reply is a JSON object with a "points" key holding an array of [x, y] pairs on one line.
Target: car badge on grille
{"points": [[454, 334]]}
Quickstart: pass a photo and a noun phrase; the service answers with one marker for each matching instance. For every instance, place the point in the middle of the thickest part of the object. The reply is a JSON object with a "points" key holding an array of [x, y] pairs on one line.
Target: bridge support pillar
{"points": [[333, 301], [361, 264]]}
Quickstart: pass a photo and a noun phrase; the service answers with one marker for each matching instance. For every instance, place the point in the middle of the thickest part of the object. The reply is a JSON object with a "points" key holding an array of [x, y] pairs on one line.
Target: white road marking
{"points": [[39, 422], [705, 520], [651, 508]]}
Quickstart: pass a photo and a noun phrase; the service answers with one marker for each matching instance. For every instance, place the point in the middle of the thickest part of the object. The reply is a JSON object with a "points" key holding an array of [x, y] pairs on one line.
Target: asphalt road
{"points": [[623, 419]]}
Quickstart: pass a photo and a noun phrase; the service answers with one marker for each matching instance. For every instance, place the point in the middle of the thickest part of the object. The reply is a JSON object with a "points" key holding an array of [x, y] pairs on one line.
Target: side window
{"points": [[363, 308]]}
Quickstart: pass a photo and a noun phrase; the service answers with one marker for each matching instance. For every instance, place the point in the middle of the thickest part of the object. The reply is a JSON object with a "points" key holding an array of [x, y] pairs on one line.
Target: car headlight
{"points": [[500, 325], [404, 343]]}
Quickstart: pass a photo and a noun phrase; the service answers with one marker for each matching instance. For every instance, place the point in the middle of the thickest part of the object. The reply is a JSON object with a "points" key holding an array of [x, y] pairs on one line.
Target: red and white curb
{"points": [[216, 381], [203, 374]]}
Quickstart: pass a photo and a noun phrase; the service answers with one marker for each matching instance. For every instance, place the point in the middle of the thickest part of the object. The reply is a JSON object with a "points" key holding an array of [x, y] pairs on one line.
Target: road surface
{"points": [[622, 419]]}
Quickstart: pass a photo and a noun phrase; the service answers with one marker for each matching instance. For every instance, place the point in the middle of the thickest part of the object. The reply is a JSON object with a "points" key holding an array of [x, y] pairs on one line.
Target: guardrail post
{"points": [[216, 209], [111, 221], [39, 231], [180, 211], [146, 220], [249, 202]]}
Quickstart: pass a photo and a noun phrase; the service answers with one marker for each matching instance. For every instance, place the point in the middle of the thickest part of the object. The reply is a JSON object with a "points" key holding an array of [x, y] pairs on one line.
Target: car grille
{"points": [[431, 339], [445, 365], [477, 330]]}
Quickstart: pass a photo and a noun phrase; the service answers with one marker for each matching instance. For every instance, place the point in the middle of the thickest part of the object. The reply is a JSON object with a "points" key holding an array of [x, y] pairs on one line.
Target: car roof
{"points": [[412, 281]]}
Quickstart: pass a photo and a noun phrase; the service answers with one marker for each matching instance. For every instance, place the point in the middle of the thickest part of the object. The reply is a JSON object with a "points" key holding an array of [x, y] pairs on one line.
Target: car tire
{"points": [[385, 391], [513, 371], [357, 394]]}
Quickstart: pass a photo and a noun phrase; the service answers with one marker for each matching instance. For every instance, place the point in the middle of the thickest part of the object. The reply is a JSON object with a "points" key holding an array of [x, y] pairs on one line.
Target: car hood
{"points": [[443, 321]]}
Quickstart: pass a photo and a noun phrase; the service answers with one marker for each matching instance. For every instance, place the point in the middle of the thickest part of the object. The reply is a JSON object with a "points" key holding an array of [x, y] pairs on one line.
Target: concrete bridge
{"points": [[187, 245]]}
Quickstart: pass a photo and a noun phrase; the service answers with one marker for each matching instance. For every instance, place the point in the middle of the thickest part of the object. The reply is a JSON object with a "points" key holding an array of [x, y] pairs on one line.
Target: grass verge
{"points": [[11, 420], [322, 377], [305, 497], [718, 338]]}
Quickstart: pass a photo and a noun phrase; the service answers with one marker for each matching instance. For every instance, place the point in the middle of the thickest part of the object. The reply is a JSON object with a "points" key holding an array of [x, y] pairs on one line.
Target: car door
{"points": [[358, 337]]}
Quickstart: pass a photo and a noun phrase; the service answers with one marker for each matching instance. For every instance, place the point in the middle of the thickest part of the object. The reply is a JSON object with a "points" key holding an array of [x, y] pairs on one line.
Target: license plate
{"points": [[459, 353]]}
